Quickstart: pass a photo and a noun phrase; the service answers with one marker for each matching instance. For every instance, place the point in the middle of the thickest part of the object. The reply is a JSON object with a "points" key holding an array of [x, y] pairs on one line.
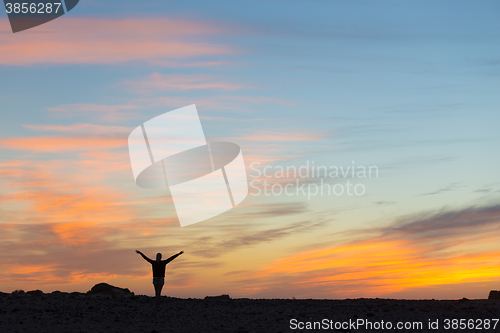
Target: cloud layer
{"points": [[447, 248], [110, 41]]}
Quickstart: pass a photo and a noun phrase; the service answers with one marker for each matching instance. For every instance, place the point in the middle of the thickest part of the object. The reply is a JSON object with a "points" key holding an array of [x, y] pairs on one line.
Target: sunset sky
{"points": [[409, 89]]}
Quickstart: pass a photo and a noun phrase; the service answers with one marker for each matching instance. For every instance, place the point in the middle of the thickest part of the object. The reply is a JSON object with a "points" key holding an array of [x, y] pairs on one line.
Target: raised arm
{"points": [[145, 258], [173, 257]]}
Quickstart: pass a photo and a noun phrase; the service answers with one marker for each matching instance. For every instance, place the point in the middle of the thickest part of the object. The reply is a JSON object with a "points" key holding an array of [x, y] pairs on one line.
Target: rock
{"points": [[224, 297], [107, 289], [58, 293], [494, 294], [37, 292]]}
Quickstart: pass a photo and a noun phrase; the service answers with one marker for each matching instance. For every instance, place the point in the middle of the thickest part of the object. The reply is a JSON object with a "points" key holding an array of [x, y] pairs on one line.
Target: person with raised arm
{"points": [[159, 267]]}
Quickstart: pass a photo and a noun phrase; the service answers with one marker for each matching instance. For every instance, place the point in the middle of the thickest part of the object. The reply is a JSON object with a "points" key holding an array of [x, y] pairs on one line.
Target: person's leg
{"points": [[158, 288]]}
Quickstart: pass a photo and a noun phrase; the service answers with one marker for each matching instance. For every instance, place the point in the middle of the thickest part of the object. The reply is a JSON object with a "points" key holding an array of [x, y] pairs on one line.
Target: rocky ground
{"points": [[76, 312]]}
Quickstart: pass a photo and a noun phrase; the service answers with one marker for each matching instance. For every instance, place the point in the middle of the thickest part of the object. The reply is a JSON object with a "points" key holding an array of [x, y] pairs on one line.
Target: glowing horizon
{"points": [[384, 85]]}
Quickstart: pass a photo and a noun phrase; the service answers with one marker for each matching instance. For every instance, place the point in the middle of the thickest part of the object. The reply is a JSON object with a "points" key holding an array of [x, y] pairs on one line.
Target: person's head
{"points": [[158, 256]]}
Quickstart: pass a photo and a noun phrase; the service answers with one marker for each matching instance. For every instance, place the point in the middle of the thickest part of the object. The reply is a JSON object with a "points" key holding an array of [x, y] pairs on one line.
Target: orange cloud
{"points": [[79, 189], [28, 269], [89, 205], [383, 267], [36, 276], [406, 256], [109, 41], [87, 231], [66, 143], [64, 221]]}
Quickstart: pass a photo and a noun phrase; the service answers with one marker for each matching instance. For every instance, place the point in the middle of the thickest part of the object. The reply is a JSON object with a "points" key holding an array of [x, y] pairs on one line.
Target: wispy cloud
{"points": [[288, 136], [444, 248], [66, 143], [447, 188], [215, 246], [231, 102], [161, 82], [74, 256], [68, 219], [80, 128], [446, 223], [384, 203], [65, 191], [115, 113], [108, 113], [111, 41], [266, 210]]}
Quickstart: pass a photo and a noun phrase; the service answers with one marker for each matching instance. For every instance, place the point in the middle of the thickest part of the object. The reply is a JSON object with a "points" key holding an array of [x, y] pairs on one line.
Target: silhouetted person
{"points": [[159, 272]]}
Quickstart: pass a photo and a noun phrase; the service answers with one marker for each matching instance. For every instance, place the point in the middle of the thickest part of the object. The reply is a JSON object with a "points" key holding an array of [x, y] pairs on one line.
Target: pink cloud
{"points": [[159, 82], [208, 64], [109, 41]]}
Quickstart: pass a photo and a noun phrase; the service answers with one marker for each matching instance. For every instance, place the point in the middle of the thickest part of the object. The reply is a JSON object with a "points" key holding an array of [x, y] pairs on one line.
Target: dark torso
{"points": [[159, 268]]}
